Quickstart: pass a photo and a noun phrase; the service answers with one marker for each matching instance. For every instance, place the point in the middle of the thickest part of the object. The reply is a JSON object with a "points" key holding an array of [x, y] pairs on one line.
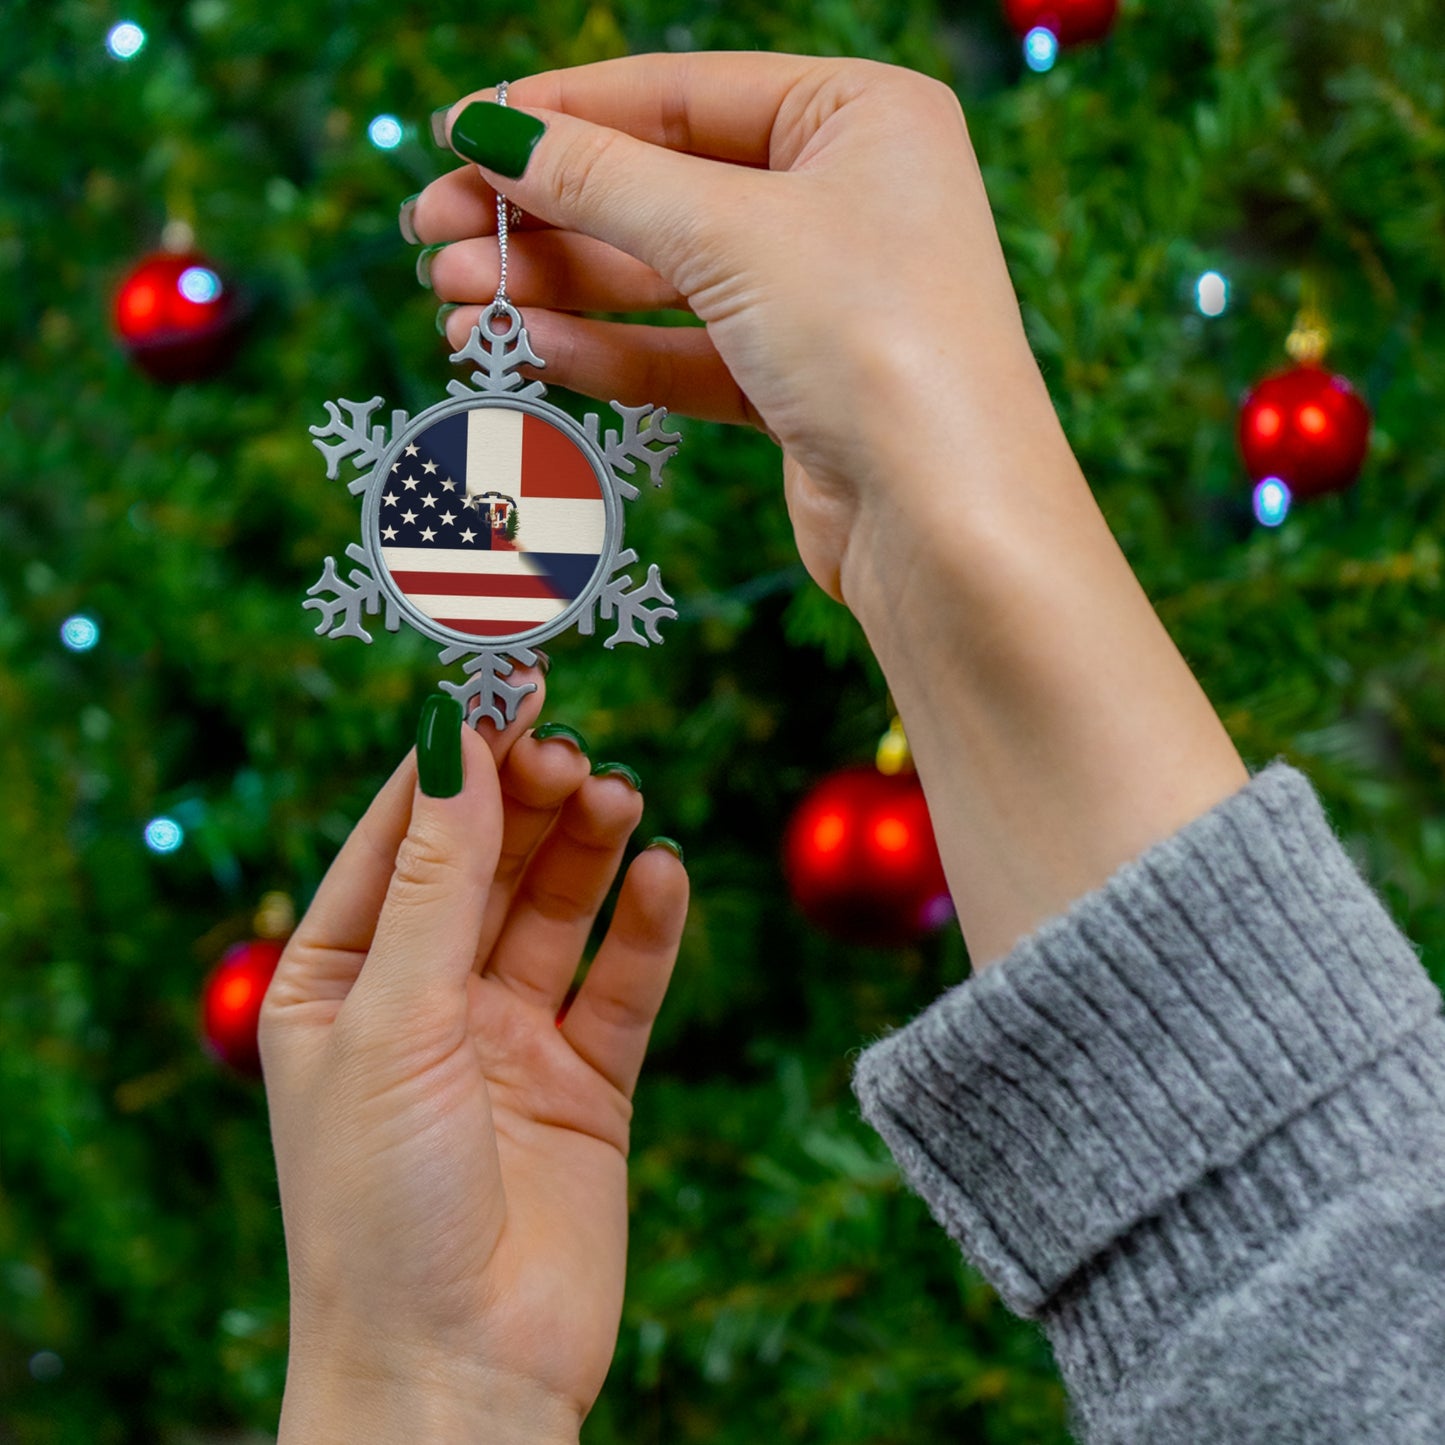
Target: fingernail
{"points": [[404, 220], [443, 312], [617, 770], [543, 661], [671, 844], [439, 746], [423, 263], [496, 136], [561, 730], [439, 125]]}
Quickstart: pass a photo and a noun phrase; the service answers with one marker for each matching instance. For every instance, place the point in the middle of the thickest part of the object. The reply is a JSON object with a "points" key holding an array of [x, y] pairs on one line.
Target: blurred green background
{"points": [[783, 1284]]}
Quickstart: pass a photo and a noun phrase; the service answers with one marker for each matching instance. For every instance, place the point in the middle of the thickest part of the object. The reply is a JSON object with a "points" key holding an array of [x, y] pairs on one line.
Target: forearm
{"points": [[1057, 730]]}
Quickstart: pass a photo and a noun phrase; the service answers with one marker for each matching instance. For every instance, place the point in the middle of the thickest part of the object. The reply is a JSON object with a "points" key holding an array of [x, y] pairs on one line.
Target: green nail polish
{"points": [[439, 746], [423, 263], [443, 312], [404, 220], [671, 844], [439, 126], [496, 136], [617, 770], [561, 730]]}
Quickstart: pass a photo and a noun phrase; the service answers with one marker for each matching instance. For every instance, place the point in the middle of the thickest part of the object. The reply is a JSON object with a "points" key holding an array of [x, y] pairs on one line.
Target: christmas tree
{"points": [[178, 743]]}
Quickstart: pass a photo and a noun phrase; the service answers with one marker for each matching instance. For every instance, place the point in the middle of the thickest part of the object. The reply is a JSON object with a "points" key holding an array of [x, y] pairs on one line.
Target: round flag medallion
{"points": [[491, 523]]}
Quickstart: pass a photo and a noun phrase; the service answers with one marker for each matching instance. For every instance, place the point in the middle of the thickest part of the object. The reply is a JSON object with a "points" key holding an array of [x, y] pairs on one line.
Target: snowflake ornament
{"points": [[492, 521]]}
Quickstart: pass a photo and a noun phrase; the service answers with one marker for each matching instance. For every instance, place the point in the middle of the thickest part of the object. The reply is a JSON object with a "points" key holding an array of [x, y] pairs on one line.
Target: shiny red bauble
{"points": [[861, 860], [1308, 428], [231, 1003], [1073, 22], [176, 317]]}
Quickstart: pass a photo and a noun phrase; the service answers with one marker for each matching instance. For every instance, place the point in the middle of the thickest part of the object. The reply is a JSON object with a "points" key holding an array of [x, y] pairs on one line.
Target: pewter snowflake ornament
{"points": [[492, 521]]}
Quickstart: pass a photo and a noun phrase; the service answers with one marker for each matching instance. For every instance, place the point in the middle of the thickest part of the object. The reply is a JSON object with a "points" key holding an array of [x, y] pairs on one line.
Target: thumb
{"points": [[422, 951], [646, 200]]}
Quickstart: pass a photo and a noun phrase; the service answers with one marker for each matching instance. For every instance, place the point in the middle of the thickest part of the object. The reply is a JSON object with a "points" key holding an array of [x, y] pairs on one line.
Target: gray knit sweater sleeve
{"points": [[1196, 1127]]}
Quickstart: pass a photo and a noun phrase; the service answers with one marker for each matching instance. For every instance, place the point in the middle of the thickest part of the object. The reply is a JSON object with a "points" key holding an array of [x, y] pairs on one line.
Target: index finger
{"points": [[723, 105]]}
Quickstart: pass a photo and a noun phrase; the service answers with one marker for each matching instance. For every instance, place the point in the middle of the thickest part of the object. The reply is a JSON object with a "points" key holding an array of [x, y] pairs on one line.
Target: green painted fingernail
{"points": [[671, 844], [496, 136], [423, 263], [439, 125], [439, 746], [404, 220], [443, 312], [618, 770], [561, 730]]}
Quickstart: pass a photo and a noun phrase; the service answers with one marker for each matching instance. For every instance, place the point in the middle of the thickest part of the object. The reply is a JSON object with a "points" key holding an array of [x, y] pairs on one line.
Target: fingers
{"points": [[673, 366], [610, 1020], [557, 269], [540, 775], [413, 982], [564, 887]]}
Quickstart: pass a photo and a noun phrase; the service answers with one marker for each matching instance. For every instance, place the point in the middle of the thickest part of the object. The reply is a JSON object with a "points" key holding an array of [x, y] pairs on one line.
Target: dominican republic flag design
{"points": [[442, 521]]}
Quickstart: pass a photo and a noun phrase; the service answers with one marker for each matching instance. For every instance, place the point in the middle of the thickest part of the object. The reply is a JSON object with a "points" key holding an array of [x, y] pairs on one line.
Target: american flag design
{"points": [[442, 521]]}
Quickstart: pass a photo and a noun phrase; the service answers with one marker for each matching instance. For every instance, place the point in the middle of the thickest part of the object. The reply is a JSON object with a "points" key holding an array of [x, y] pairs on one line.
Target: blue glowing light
{"points": [[1271, 502], [79, 633], [385, 132], [199, 284], [164, 835], [1041, 48], [126, 40], [1211, 293]]}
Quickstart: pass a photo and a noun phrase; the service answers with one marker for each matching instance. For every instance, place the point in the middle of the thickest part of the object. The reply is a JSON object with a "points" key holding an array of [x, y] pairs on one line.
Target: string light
{"points": [[164, 835], [80, 633], [385, 132], [199, 284], [1271, 502], [1041, 48], [126, 40], [1212, 294]]}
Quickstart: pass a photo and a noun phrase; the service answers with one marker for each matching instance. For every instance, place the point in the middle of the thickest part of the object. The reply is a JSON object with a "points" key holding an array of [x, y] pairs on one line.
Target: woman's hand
{"points": [[452, 1157], [825, 218]]}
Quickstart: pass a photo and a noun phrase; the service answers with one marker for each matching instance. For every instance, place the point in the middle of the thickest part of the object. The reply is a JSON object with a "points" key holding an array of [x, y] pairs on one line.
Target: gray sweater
{"points": [[1195, 1126]]}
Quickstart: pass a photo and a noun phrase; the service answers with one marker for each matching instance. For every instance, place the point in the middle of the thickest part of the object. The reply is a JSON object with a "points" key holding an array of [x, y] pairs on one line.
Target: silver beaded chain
{"points": [[501, 299]]}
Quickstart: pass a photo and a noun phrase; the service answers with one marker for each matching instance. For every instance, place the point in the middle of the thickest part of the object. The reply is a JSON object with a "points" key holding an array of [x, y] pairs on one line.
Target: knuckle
{"points": [[425, 864], [578, 170]]}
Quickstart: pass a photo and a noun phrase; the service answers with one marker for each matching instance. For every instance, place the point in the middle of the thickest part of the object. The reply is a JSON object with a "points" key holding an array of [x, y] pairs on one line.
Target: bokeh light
{"points": [[199, 284], [1041, 48], [1212, 294], [385, 132], [1271, 502], [164, 835], [80, 633], [126, 40]]}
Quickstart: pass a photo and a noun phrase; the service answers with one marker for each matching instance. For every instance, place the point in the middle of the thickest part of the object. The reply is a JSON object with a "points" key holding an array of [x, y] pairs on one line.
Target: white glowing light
{"points": [[1212, 293], [1271, 502], [164, 835], [385, 132], [199, 284], [1041, 48], [79, 633], [126, 40]]}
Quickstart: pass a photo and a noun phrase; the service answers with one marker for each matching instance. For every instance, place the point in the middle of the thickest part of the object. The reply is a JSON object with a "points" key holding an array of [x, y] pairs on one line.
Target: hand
{"points": [[826, 219], [452, 1157]]}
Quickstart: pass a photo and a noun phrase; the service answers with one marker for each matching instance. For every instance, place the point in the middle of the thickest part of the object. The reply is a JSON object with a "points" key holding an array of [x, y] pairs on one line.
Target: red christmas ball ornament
{"points": [[1307, 427], [861, 860], [176, 318], [1071, 22], [231, 1003]]}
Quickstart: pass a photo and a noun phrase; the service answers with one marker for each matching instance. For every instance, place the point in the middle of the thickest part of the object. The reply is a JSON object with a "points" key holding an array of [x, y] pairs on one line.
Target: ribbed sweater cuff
{"points": [[1221, 984]]}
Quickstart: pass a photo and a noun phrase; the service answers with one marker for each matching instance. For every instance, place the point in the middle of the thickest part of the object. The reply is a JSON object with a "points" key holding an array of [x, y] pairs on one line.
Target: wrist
{"points": [[408, 1400]]}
